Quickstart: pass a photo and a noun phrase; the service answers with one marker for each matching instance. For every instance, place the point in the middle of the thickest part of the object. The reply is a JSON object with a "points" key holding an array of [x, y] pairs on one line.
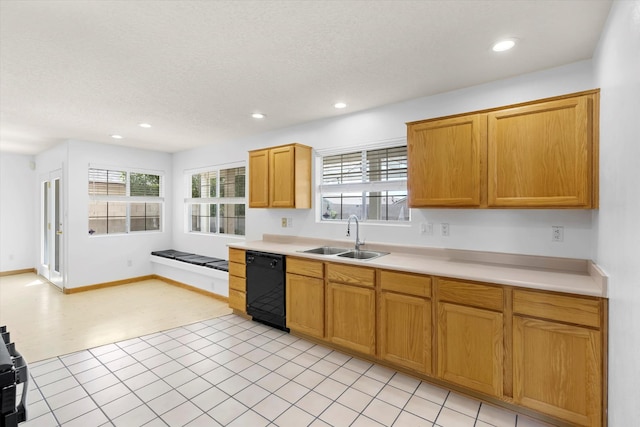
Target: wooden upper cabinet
{"points": [[259, 179], [445, 162], [280, 177], [540, 155]]}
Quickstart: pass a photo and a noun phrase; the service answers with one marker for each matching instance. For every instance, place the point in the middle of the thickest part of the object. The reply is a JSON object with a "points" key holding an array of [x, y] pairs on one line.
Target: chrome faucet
{"points": [[358, 242]]}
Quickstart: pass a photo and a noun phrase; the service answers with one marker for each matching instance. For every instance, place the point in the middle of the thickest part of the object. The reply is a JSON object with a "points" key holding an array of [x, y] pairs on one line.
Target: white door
{"points": [[52, 242]]}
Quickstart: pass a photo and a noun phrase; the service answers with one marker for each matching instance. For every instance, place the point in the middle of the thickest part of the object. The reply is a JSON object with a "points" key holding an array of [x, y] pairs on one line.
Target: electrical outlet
{"points": [[557, 233], [444, 229], [284, 222], [289, 222], [129, 263]]}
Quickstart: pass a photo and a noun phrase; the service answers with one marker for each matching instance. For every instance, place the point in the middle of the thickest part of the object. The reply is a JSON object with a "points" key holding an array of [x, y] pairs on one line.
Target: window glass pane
{"points": [[232, 182], [107, 217], [107, 182], [342, 168], [338, 206], [387, 206], [232, 219], [203, 217], [142, 184], [388, 164], [145, 216], [204, 184]]}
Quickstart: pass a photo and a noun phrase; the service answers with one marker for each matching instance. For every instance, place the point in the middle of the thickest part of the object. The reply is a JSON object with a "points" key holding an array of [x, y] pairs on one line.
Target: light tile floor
{"points": [[229, 371]]}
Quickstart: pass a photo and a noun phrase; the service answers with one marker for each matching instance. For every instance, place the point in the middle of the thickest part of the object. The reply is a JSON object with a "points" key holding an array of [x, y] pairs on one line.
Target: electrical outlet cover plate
{"points": [[444, 229], [557, 233]]}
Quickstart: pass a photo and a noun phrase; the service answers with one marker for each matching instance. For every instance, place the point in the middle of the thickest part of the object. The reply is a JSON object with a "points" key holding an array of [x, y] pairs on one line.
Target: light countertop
{"points": [[573, 276]]}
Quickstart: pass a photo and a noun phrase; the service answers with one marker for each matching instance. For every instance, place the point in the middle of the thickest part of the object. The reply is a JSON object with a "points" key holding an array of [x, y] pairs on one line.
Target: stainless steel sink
{"points": [[362, 254], [326, 250]]}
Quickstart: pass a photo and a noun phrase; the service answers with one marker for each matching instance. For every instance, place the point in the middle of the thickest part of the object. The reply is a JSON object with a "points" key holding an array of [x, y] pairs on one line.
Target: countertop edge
{"points": [[438, 262]]}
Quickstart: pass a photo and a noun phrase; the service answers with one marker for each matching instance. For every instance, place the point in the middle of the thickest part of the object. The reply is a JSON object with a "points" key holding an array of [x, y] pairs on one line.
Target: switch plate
{"points": [[557, 233], [426, 228], [284, 222], [444, 229]]}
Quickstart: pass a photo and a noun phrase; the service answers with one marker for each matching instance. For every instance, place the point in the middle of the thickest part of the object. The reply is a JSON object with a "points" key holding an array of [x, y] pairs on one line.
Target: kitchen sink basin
{"points": [[362, 254], [326, 250]]}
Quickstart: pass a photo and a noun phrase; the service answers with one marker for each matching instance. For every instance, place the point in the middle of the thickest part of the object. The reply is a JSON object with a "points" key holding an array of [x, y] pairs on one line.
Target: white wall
{"points": [[100, 259], [517, 231], [617, 65], [18, 212]]}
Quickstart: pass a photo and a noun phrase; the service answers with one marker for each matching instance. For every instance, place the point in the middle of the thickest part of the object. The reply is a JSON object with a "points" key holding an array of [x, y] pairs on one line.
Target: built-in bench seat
{"points": [[206, 261], [203, 272]]}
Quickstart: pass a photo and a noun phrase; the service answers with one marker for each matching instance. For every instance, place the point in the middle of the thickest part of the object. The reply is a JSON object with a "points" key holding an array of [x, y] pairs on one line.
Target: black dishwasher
{"points": [[266, 288]]}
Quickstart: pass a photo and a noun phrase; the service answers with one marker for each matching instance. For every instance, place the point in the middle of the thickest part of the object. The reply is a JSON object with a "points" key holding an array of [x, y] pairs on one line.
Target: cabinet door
{"points": [[444, 162], [282, 177], [237, 300], [259, 179], [305, 304], [557, 370], [351, 317], [405, 331], [540, 155], [470, 347]]}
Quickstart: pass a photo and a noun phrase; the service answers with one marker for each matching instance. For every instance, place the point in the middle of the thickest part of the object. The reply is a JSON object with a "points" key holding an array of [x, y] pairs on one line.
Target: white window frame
{"points": [[128, 199], [358, 187], [190, 201]]}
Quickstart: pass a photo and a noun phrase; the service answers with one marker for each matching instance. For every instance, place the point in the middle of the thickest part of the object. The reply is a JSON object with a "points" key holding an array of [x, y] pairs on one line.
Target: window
{"points": [[217, 203], [371, 184], [121, 201]]}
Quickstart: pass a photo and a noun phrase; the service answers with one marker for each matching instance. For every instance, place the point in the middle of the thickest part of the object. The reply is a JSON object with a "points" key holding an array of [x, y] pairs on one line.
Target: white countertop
{"points": [[440, 262]]}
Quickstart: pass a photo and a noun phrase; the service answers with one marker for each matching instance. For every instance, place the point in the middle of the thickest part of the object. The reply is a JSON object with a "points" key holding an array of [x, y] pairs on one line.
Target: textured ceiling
{"points": [[196, 70]]}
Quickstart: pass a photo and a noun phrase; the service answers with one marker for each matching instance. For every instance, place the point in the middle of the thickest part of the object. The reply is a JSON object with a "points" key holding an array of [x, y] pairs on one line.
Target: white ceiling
{"points": [[196, 70]]}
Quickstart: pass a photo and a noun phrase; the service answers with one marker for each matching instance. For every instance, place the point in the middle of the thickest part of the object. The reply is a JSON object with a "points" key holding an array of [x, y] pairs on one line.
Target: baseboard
{"points": [[108, 284], [191, 288], [149, 277], [14, 272]]}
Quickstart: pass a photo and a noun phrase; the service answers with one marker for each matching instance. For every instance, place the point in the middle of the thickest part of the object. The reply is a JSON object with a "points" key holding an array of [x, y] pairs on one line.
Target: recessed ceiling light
{"points": [[340, 105], [117, 136], [144, 125], [503, 45], [258, 116]]}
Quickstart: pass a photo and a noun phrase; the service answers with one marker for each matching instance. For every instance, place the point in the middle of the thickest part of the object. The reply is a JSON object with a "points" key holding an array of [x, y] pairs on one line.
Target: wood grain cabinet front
{"points": [[351, 307], [305, 297], [471, 335], [404, 320], [558, 356], [237, 280], [280, 177], [539, 154], [444, 162]]}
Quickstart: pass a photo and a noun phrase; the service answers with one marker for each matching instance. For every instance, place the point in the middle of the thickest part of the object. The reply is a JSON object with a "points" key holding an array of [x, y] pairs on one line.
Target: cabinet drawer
{"points": [[562, 308], [237, 283], [237, 255], [406, 283], [362, 276], [472, 294], [236, 269], [237, 300], [305, 267]]}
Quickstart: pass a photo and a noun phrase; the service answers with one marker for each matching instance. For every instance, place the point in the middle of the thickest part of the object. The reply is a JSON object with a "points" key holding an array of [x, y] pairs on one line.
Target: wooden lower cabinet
{"points": [[405, 331], [305, 304], [558, 370], [237, 280], [351, 317], [470, 347]]}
